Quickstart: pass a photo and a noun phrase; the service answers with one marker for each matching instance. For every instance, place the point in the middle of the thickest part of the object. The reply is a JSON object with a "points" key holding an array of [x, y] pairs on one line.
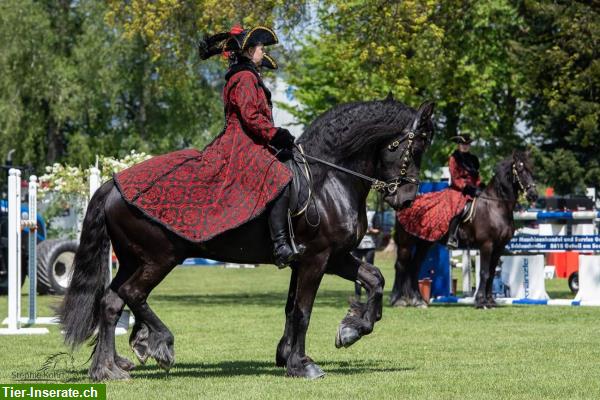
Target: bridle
{"points": [[385, 187], [406, 156], [517, 179]]}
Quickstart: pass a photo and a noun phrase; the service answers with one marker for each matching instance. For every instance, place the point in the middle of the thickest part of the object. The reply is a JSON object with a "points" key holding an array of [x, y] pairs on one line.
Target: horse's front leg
{"points": [[484, 275], [361, 317], [494, 259], [285, 343], [310, 271], [402, 289]]}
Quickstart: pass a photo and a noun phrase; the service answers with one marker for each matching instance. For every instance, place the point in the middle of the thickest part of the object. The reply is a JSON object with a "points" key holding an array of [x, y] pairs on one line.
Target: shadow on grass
{"points": [[336, 298], [251, 368]]}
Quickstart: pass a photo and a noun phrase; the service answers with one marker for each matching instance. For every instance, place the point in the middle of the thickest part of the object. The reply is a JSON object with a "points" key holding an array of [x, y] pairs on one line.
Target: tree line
{"points": [[80, 78]]}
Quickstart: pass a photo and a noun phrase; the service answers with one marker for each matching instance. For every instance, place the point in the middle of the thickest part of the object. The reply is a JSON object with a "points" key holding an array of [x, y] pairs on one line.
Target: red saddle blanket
{"points": [[429, 216], [198, 194]]}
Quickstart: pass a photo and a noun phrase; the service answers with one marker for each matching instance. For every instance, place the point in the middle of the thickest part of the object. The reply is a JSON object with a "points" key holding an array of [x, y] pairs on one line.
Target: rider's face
{"points": [[464, 147], [257, 53]]}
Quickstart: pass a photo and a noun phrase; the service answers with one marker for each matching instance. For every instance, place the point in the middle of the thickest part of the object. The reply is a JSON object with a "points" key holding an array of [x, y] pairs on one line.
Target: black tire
{"points": [[4, 260], [574, 282], [54, 265]]}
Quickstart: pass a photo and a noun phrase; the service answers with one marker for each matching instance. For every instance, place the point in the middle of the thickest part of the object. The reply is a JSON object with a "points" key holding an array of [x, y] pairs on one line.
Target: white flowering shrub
{"points": [[64, 190]]}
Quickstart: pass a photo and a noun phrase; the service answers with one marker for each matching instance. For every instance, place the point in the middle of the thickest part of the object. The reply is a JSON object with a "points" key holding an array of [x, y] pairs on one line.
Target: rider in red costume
{"points": [[250, 136], [464, 177]]}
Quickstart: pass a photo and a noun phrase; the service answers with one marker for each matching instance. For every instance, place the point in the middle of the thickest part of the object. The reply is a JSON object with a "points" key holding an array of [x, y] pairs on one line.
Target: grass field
{"points": [[227, 324]]}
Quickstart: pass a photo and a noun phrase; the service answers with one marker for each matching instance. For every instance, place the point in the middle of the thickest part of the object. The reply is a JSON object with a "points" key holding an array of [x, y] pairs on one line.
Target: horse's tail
{"points": [[79, 312]]}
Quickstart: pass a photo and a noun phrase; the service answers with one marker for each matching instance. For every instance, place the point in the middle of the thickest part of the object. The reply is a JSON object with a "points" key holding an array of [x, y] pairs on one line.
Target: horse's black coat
{"points": [[490, 230], [355, 135]]}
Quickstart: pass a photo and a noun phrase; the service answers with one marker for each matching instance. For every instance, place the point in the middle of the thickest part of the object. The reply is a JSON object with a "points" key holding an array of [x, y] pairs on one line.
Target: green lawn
{"points": [[227, 323]]}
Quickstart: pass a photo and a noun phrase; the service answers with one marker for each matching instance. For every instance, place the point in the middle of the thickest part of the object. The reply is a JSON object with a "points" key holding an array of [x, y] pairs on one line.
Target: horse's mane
{"points": [[348, 129]]}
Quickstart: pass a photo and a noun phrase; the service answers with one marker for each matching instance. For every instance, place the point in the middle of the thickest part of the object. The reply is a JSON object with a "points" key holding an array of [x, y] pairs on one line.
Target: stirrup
{"points": [[285, 254], [452, 242]]}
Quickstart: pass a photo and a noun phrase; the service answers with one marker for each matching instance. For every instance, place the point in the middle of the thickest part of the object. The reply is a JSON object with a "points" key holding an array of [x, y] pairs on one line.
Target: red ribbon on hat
{"points": [[236, 29]]}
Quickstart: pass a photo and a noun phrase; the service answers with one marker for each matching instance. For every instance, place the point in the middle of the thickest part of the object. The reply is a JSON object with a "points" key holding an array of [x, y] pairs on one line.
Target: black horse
{"points": [[382, 139], [489, 230]]}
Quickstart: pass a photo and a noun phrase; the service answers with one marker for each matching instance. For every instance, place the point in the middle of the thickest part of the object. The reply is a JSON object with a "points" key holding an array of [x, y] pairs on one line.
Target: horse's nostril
{"points": [[407, 203]]}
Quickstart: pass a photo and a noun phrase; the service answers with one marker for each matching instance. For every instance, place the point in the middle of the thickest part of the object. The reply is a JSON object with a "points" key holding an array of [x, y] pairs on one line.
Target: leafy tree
{"points": [[560, 56], [72, 87], [454, 52]]}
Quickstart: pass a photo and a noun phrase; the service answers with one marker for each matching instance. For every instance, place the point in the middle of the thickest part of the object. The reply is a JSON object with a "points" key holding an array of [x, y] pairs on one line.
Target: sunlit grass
{"points": [[227, 323]]}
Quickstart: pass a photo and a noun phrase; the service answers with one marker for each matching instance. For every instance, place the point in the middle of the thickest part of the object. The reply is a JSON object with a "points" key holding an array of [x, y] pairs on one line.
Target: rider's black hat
{"points": [[463, 138], [237, 40]]}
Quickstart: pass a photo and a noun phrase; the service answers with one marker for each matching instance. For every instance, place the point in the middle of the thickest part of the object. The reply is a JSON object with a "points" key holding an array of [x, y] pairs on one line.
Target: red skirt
{"points": [[429, 216]]}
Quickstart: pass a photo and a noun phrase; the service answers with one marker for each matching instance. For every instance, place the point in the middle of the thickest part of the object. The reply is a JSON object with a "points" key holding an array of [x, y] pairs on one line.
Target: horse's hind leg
{"points": [[402, 286], [415, 297], [361, 317], [104, 365], [149, 337]]}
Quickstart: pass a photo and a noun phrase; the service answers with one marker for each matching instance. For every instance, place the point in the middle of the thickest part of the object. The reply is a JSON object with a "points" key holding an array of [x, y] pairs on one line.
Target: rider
{"points": [[464, 176], [248, 109]]}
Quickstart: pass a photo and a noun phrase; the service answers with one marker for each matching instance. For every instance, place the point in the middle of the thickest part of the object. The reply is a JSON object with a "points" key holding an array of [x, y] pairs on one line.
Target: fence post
{"points": [[32, 257]]}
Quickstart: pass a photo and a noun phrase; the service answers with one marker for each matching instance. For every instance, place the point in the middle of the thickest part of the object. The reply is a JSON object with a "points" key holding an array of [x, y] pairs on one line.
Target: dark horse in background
{"points": [[490, 229], [381, 139]]}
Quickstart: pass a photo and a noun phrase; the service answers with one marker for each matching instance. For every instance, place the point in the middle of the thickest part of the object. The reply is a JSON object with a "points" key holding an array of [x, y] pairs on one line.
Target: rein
{"points": [[517, 179], [391, 186]]}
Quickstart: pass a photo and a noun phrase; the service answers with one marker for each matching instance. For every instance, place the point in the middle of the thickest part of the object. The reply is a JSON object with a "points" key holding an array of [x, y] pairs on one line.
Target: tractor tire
{"points": [[55, 265], [574, 282], [4, 264]]}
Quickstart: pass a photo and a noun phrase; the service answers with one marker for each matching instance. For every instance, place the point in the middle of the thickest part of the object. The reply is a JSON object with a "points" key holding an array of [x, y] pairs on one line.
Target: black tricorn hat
{"points": [[463, 138], [268, 62], [237, 40], [251, 37]]}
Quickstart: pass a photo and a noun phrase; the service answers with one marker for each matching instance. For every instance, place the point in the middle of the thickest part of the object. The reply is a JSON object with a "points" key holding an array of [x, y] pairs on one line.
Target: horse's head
{"points": [[400, 159], [522, 170]]}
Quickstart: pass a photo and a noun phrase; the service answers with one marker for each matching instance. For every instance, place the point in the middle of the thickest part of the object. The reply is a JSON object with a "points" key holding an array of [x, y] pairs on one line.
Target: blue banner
{"points": [[549, 243]]}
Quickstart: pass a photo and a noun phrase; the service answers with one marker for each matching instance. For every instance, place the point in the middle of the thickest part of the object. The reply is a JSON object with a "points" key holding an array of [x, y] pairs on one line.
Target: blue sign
{"points": [[549, 243]]}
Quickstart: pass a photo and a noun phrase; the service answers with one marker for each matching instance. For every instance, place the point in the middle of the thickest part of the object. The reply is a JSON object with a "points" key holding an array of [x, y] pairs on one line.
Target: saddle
{"points": [[468, 212], [301, 190]]}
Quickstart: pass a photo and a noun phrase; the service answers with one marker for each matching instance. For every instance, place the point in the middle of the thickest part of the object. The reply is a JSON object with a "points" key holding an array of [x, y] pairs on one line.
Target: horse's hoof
{"points": [[113, 373], [282, 354], [401, 302], [139, 341], [164, 355], [420, 304], [124, 363], [346, 336], [165, 364], [141, 352], [310, 371]]}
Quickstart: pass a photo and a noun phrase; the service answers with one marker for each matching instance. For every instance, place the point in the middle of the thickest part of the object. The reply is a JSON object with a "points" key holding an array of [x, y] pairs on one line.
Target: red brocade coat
{"points": [[200, 194], [429, 216]]}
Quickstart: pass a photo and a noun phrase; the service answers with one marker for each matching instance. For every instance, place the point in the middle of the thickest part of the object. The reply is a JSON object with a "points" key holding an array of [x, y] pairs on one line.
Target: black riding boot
{"points": [[453, 232], [278, 225]]}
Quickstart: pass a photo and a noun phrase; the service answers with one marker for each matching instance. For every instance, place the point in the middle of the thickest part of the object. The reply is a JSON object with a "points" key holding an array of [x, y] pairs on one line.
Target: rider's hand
{"points": [[283, 139]]}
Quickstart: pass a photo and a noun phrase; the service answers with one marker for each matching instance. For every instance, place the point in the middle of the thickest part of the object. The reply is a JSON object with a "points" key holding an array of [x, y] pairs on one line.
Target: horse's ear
{"points": [[389, 97], [425, 111]]}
